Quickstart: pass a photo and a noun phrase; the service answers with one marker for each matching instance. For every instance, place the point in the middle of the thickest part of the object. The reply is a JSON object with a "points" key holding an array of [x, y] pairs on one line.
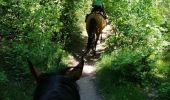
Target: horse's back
{"points": [[100, 22]]}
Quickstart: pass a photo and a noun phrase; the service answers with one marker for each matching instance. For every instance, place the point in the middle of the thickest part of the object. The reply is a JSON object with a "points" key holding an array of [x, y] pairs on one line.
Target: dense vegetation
{"points": [[134, 65], [38, 30]]}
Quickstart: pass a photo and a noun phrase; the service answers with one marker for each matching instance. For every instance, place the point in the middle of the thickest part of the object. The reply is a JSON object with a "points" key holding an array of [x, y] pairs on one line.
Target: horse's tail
{"points": [[91, 34]]}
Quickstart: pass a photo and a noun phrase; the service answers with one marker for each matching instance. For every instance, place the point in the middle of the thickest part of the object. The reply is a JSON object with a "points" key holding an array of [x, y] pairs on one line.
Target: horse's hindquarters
{"points": [[101, 22]]}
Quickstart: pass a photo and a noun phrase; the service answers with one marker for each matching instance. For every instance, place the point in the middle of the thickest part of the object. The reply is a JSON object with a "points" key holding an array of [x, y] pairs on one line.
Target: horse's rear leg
{"points": [[95, 44], [88, 45], [101, 38], [97, 38]]}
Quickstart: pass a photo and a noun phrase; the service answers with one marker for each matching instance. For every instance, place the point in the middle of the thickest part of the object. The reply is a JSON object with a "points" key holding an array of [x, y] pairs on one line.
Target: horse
{"points": [[95, 23], [58, 85]]}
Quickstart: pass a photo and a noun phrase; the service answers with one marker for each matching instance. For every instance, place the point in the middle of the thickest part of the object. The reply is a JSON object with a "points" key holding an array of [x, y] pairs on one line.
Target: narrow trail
{"points": [[87, 83]]}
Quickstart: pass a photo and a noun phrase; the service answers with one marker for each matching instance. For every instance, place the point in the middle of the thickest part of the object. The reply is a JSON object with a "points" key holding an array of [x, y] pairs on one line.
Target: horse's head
{"points": [[59, 85]]}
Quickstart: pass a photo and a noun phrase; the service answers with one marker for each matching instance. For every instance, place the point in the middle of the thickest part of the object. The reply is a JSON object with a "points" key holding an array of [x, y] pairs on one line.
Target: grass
{"points": [[113, 89], [116, 81], [16, 91]]}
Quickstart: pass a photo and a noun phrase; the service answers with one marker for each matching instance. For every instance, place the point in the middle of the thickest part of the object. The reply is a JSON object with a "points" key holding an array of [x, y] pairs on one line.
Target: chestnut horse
{"points": [[95, 23], [59, 85]]}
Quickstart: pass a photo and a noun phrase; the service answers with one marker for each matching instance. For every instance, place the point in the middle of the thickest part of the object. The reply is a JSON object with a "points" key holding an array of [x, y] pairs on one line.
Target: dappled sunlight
{"points": [[72, 61], [89, 70]]}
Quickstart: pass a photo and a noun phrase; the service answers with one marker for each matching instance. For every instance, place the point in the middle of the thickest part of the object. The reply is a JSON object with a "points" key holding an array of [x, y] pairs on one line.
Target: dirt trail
{"points": [[87, 83]]}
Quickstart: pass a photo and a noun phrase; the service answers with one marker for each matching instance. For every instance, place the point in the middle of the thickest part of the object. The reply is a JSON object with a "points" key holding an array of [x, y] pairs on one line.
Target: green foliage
{"points": [[164, 90], [123, 74], [28, 29], [3, 77], [137, 50], [127, 65], [38, 30], [131, 66], [73, 16], [125, 91]]}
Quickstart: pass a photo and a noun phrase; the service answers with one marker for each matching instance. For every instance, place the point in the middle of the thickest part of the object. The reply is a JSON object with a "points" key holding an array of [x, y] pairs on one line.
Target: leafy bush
{"points": [[135, 52], [27, 30], [38, 30], [126, 64], [73, 17], [164, 90]]}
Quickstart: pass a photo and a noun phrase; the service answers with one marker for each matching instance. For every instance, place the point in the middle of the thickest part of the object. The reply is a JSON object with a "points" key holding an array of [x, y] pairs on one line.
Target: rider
{"points": [[98, 6]]}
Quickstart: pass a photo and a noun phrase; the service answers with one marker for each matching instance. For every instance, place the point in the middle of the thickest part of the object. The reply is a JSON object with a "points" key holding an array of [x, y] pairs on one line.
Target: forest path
{"points": [[87, 83]]}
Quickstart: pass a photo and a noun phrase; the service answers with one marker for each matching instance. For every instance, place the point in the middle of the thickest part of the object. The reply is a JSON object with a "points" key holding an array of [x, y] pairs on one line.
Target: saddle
{"points": [[97, 12], [101, 21]]}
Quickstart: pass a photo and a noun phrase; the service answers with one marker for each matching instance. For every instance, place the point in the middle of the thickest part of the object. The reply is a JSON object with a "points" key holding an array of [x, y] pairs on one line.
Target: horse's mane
{"points": [[56, 87]]}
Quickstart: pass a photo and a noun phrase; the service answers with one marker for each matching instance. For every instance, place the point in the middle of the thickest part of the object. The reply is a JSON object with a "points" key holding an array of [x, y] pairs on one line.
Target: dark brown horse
{"points": [[59, 85], [95, 23]]}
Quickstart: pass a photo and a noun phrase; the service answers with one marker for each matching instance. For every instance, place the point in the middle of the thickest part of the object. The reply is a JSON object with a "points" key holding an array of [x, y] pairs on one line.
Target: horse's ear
{"points": [[34, 71], [75, 73]]}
